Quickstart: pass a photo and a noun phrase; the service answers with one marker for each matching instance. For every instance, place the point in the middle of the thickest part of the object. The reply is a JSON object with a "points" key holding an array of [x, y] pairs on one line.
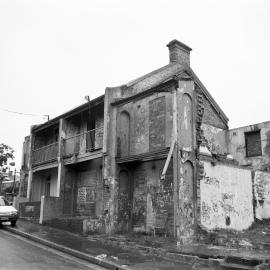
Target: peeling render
{"points": [[262, 194], [215, 139], [226, 197]]}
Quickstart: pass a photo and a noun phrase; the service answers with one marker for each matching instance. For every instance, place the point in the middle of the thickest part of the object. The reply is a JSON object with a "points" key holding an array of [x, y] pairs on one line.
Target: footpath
{"points": [[120, 252]]}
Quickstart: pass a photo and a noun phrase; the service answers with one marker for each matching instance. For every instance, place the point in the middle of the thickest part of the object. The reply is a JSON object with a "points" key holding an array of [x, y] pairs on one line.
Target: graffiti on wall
{"points": [[262, 194], [226, 197], [86, 200]]}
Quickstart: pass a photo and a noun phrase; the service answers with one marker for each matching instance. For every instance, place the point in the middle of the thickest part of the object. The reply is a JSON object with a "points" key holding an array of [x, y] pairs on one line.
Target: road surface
{"points": [[17, 252]]}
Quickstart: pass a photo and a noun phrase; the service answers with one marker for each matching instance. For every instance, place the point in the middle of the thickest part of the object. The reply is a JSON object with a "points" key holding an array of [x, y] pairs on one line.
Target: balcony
{"points": [[45, 154], [83, 143]]}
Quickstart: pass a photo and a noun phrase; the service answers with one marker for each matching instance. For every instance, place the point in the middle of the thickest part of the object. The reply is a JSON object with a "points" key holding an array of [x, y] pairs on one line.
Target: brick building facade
{"points": [[134, 159]]}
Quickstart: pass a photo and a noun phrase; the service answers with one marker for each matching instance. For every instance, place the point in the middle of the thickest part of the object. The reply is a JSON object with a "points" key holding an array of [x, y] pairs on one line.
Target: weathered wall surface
{"points": [[150, 123], [226, 197], [151, 205], [88, 189], [237, 146], [51, 208], [262, 194], [215, 139], [30, 210], [210, 116]]}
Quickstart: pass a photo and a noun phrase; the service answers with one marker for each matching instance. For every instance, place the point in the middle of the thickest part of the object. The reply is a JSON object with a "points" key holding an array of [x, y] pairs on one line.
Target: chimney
{"points": [[179, 52]]}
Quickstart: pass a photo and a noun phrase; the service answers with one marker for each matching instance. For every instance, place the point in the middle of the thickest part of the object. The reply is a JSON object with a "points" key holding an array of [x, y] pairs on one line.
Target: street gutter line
{"points": [[55, 251], [73, 252]]}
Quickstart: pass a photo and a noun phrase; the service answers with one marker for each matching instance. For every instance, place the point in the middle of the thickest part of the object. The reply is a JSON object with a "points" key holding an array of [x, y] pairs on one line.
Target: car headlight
{"points": [[14, 213]]}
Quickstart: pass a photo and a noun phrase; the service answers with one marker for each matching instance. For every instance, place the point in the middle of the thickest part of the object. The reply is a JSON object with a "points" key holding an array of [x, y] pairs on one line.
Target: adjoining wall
{"points": [[237, 146], [262, 194], [226, 197]]}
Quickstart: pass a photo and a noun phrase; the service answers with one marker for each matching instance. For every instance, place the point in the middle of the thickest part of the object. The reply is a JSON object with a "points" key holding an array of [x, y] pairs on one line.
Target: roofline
{"points": [[209, 96], [196, 79], [260, 123], [78, 109]]}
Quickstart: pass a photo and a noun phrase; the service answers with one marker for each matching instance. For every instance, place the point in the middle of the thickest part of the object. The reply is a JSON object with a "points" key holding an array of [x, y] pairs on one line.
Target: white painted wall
{"points": [[226, 193], [262, 194]]}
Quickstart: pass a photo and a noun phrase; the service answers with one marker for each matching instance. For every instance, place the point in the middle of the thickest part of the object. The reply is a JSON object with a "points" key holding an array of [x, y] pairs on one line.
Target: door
{"points": [[124, 134], [124, 201]]}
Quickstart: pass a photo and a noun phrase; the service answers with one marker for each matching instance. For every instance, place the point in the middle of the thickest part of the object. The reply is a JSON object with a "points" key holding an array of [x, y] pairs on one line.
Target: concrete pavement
{"points": [[125, 252]]}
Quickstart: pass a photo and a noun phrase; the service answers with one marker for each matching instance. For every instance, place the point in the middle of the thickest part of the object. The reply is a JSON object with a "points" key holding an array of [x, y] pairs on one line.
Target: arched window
{"points": [[186, 131], [124, 134]]}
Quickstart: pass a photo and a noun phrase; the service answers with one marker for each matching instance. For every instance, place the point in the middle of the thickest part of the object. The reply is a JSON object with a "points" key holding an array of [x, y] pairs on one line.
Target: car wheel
{"points": [[13, 223]]}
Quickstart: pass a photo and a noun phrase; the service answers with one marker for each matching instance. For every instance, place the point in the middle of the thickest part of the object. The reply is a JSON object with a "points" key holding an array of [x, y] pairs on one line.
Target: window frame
{"points": [[246, 145]]}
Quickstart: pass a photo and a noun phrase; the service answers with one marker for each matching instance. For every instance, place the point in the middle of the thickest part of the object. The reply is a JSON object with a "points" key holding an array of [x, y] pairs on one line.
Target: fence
{"points": [[83, 142]]}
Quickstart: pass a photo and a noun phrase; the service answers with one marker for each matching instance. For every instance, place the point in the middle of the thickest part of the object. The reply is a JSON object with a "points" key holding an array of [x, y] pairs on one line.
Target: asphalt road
{"points": [[19, 253]]}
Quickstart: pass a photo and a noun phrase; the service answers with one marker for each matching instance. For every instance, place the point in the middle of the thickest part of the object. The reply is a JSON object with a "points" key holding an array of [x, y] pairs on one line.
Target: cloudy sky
{"points": [[53, 53]]}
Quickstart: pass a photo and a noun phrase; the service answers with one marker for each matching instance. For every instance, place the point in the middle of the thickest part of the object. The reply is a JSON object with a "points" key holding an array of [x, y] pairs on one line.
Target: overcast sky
{"points": [[53, 53]]}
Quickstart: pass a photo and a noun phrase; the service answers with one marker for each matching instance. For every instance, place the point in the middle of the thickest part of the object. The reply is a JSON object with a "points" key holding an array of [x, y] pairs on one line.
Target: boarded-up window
{"points": [[253, 144], [157, 118]]}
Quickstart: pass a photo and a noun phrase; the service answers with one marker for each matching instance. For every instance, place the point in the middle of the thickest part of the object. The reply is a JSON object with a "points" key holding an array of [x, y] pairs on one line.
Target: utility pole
{"points": [[14, 178]]}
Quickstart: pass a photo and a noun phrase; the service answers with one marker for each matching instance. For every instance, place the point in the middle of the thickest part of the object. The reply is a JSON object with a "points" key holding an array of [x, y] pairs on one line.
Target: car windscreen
{"points": [[3, 202]]}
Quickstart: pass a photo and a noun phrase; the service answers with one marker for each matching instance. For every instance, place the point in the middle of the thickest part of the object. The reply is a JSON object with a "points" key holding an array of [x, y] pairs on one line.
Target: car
{"points": [[7, 212]]}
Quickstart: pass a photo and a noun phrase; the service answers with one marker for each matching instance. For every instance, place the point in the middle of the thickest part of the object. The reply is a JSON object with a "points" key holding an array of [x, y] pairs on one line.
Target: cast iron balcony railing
{"points": [[84, 142], [44, 154]]}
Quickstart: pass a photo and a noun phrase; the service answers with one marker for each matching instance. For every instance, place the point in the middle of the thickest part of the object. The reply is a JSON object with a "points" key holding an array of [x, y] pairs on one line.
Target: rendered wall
{"points": [[226, 197]]}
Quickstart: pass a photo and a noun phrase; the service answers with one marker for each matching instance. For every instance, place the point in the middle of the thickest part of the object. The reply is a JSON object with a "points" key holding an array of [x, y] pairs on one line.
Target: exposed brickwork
{"points": [[199, 119], [210, 116]]}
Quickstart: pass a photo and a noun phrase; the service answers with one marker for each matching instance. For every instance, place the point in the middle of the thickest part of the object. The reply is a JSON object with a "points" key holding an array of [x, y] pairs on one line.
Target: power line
{"points": [[29, 114]]}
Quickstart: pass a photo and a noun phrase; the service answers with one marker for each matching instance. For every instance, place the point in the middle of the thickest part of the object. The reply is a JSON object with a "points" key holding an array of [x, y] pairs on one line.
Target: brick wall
{"points": [[210, 116]]}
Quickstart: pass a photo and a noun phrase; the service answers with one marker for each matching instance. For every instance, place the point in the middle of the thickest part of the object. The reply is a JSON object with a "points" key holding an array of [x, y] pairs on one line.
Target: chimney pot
{"points": [[179, 52]]}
